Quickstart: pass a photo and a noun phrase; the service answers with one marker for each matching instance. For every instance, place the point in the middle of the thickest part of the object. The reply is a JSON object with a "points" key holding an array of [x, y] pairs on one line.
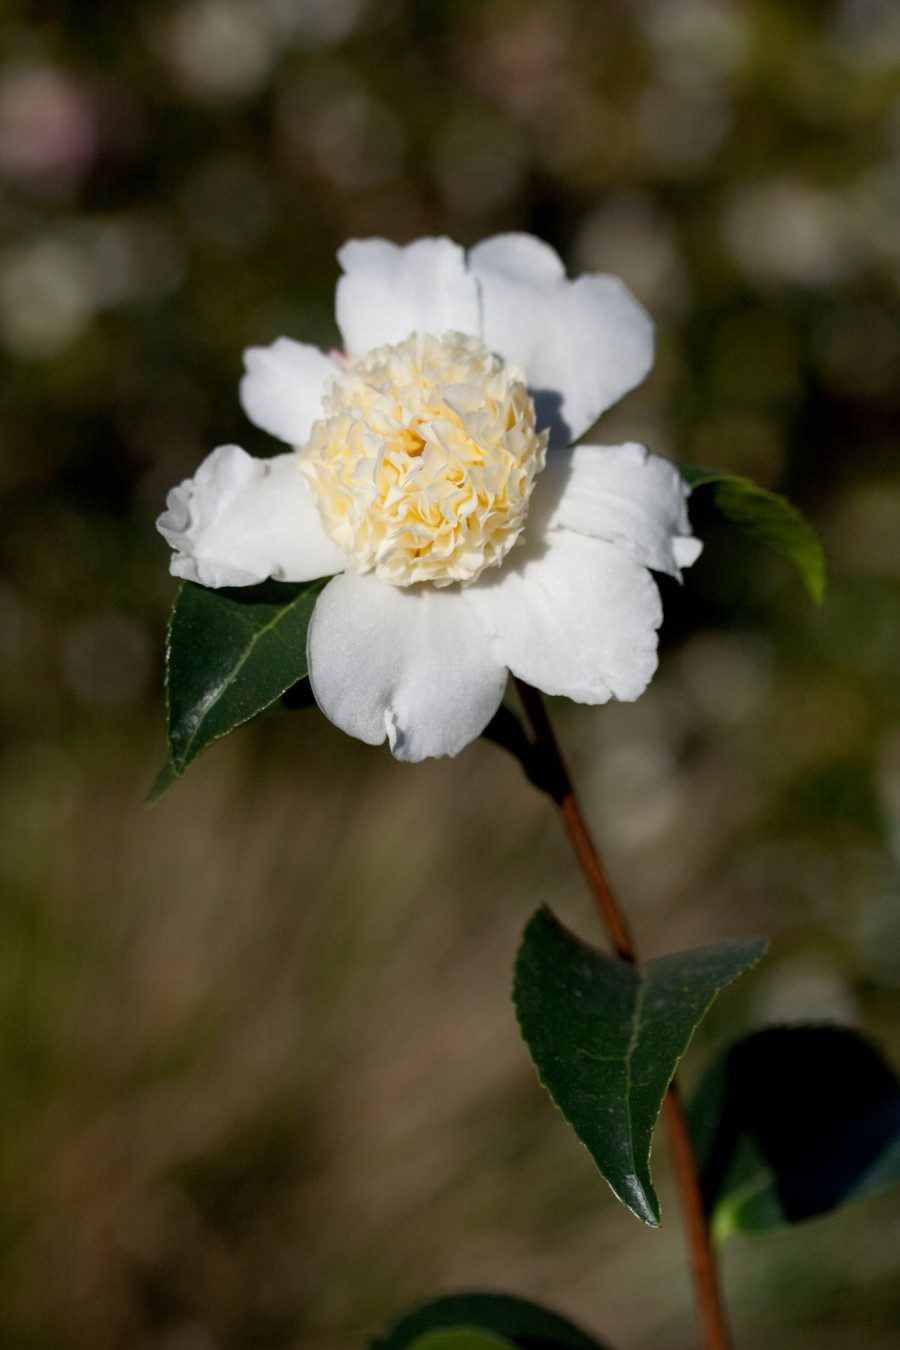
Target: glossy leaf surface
{"points": [[606, 1038], [769, 517], [792, 1122], [230, 654], [500, 1317]]}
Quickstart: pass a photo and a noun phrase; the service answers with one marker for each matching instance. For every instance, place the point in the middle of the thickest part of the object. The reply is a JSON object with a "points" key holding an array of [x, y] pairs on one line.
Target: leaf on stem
{"points": [[769, 517], [606, 1037], [794, 1121], [230, 654], [483, 1322]]}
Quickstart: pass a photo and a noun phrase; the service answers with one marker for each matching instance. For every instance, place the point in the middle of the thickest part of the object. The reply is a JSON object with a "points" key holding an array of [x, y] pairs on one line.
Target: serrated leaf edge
{"points": [[653, 1217]]}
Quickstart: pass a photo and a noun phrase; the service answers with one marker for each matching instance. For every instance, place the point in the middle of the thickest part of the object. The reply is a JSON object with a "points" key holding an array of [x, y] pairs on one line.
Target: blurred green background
{"points": [[261, 1081]]}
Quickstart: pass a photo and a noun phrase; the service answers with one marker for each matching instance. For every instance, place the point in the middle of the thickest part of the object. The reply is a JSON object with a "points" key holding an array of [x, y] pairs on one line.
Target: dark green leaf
{"points": [[462, 1338], [793, 1122], [606, 1038], [230, 654], [509, 1320], [768, 517]]}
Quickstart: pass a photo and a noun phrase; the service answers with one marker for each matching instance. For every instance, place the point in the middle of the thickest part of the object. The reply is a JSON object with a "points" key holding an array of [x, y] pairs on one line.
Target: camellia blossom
{"points": [[429, 477]]}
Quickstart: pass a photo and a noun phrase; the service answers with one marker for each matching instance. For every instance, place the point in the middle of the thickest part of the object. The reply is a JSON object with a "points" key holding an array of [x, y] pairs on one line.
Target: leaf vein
{"points": [[215, 695]]}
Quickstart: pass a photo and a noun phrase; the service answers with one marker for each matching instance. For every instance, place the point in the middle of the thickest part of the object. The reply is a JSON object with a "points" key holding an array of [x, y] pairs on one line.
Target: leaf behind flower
{"points": [[769, 517], [230, 654]]}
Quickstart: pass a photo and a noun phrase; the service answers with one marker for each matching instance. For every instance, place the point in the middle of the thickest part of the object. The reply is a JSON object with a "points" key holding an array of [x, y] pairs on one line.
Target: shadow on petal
{"points": [[548, 412]]}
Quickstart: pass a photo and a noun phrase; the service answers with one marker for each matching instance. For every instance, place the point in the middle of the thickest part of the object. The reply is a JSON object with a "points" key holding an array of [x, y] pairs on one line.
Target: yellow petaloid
{"points": [[424, 460]]}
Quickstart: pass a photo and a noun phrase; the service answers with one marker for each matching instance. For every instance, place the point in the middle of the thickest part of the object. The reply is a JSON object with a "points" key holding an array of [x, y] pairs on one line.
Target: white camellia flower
{"points": [[430, 478]]}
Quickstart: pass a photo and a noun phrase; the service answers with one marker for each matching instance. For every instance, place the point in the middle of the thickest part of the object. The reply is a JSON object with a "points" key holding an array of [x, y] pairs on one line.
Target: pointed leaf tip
{"points": [[606, 1038], [231, 653]]}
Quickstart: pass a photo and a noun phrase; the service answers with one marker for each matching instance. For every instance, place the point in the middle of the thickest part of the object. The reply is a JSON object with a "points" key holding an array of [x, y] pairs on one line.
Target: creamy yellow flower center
{"points": [[424, 459]]}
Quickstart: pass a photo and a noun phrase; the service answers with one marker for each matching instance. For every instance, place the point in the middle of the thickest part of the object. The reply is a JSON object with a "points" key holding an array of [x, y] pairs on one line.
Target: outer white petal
{"points": [[574, 616], [410, 663], [584, 343], [621, 493], [240, 520], [388, 292], [283, 386]]}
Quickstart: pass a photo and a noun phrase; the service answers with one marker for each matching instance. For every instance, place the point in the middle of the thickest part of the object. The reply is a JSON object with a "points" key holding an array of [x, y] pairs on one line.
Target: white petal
{"points": [[240, 520], [388, 292], [687, 551], [574, 616], [410, 663], [283, 386], [621, 493], [584, 343]]}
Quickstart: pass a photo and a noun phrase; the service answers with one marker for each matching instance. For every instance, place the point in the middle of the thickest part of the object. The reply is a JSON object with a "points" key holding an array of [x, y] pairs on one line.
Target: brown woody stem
{"points": [[710, 1308]]}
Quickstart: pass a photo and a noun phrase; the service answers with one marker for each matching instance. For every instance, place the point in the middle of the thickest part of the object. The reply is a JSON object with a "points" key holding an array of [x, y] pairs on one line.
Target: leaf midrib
{"points": [[211, 699], [629, 1060]]}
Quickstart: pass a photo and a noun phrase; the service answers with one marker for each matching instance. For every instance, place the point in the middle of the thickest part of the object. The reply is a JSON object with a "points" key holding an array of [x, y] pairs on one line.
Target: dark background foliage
{"points": [[262, 1084]]}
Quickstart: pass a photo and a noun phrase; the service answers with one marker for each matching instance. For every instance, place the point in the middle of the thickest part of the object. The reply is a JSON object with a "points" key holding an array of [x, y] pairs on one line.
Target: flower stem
{"points": [[710, 1308]]}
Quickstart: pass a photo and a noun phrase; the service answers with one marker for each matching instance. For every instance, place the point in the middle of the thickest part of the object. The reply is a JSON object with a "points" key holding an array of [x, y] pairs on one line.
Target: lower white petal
{"points": [[573, 616], [389, 291], [282, 388], [410, 664], [240, 520], [621, 493], [584, 343]]}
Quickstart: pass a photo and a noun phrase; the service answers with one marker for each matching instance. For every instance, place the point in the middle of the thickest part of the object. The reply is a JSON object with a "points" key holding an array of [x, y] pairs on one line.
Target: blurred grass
{"points": [[262, 1082]]}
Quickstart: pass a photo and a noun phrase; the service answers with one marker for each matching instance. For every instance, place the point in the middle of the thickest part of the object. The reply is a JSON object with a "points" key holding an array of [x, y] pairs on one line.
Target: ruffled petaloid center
{"points": [[424, 460]]}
